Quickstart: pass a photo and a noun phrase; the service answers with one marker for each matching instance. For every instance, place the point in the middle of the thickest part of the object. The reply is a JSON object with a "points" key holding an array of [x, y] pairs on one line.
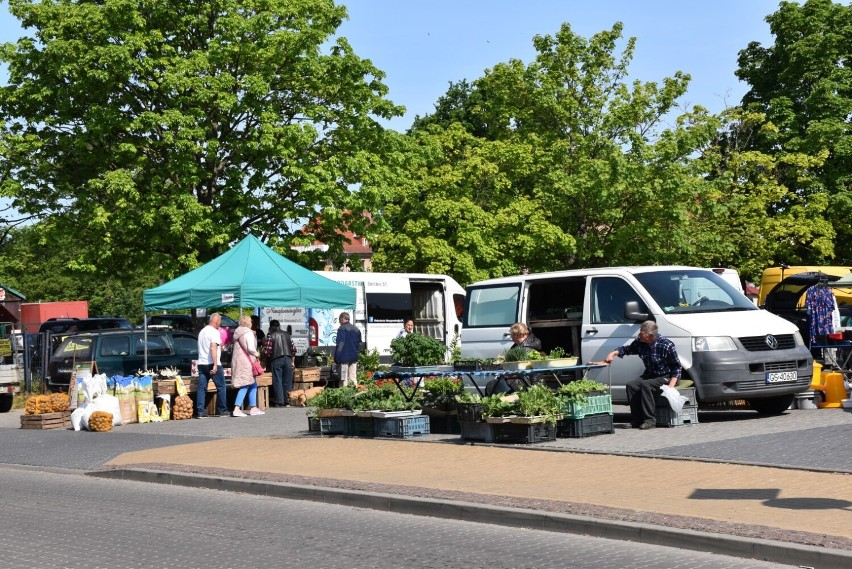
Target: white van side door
{"points": [[605, 328], [490, 311]]}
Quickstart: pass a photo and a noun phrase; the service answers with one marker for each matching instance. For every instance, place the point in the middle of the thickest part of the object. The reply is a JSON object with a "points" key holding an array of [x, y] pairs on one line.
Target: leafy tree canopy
{"points": [[803, 85], [157, 132], [557, 164]]}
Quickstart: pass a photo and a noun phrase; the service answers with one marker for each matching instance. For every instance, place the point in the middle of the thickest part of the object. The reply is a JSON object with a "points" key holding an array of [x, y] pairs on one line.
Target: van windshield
{"points": [[691, 291]]}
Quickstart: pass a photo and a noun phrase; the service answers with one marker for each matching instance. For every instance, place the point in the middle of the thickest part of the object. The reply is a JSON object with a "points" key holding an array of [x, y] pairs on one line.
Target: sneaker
{"points": [[256, 411], [201, 416], [224, 414], [239, 413], [646, 426]]}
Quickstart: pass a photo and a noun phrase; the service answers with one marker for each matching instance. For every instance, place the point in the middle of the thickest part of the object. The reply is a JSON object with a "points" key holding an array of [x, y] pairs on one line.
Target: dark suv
{"points": [[121, 352], [74, 325]]}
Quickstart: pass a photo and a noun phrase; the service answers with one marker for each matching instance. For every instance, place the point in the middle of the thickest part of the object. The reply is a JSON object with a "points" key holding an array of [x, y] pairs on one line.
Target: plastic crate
{"points": [[588, 426], [444, 425], [519, 432], [402, 427], [688, 392], [332, 425], [474, 430], [359, 426], [668, 418], [313, 424], [469, 412], [474, 365], [594, 405]]}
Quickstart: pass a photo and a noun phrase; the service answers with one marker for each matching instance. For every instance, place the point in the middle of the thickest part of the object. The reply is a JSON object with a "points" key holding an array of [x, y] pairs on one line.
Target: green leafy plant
{"points": [[455, 347], [539, 400], [440, 392], [558, 353], [466, 397], [417, 350], [385, 397], [516, 354], [340, 398], [495, 406], [576, 391], [368, 360]]}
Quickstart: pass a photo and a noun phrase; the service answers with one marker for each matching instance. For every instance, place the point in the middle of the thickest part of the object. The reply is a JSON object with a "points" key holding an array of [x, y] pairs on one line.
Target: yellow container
{"points": [[816, 378], [834, 389]]}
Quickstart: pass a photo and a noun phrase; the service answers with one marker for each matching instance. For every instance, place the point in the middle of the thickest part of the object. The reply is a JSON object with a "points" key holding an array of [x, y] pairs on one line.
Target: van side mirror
{"points": [[631, 312]]}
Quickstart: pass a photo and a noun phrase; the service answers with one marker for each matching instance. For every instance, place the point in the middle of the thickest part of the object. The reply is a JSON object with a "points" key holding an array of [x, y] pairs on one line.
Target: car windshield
{"points": [[691, 291]]}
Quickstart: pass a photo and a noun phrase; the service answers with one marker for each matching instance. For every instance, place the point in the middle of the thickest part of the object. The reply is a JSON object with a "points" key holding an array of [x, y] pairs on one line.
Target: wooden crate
{"points": [[306, 374], [61, 420]]}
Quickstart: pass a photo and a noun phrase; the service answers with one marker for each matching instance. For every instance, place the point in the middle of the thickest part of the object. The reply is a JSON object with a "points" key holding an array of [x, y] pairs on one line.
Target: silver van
{"points": [[731, 349]]}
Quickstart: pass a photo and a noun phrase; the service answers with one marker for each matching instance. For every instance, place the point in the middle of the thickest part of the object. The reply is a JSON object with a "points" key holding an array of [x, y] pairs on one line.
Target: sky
{"points": [[424, 45]]}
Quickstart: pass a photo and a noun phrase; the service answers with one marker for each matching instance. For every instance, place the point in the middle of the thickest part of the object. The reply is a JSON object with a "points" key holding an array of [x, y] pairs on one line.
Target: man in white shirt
{"points": [[210, 367]]}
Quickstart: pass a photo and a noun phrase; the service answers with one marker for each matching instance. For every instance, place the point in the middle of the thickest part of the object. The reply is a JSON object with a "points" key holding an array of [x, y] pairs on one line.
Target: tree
{"points": [[557, 164], [158, 132], [803, 85]]}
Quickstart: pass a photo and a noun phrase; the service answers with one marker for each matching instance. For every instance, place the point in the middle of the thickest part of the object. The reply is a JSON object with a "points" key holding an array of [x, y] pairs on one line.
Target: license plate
{"points": [[781, 376]]}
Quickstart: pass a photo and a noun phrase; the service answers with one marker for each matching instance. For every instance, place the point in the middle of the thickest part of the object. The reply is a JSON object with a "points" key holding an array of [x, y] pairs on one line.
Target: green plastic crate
{"points": [[594, 405]]}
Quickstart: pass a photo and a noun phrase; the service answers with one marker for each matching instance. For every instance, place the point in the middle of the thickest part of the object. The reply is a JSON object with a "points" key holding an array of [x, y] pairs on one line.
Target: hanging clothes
{"points": [[820, 304]]}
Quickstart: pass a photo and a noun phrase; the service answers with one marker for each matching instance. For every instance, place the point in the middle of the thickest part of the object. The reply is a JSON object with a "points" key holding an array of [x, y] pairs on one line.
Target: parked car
{"points": [[63, 325], [184, 322], [121, 352]]}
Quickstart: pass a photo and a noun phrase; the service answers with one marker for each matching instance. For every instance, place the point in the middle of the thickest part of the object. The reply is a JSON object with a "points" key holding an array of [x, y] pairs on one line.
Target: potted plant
{"points": [[437, 395], [519, 357], [333, 402], [538, 404], [556, 358], [498, 408], [415, 351]]}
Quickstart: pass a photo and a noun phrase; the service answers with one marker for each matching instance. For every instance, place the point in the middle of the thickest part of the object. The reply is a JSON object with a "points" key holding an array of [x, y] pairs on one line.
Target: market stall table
{"points": [[167, 387]]}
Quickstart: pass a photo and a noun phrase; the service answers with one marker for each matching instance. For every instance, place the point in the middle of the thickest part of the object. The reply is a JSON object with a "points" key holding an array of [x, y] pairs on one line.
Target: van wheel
{"points": [[771, 405], [6, 402]]}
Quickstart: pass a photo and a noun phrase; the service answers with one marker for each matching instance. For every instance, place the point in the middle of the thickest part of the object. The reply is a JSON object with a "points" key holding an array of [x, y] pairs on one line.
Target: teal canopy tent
{"points": [[249, 275]]}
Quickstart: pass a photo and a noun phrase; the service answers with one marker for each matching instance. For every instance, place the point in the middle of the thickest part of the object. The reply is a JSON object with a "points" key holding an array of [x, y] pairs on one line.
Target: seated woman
{"points": [[521, 336]]}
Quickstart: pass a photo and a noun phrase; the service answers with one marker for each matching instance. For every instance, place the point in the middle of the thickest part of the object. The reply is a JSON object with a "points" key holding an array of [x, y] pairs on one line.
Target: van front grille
{"points": [[760, 344]]}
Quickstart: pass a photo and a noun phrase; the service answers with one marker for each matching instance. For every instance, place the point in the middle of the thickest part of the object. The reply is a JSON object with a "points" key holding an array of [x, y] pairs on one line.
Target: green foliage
{"points": [[539, 400], [557, 353], [802, 84], [383, 398], [440, 392], [368, 360], [417, 350], [331, 398], [468, 397], [495, 406], [575, 391], [532, 167], [516, 354], [158, 133]]}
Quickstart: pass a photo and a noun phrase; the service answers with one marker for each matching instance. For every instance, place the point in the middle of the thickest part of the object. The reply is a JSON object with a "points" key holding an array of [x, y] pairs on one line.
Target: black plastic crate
{"points": [[469, 412], [474, 430], [474, 365], [520, 432], [332, 425], [360, 426], [313, 424], [588, 426], [444, 425]]}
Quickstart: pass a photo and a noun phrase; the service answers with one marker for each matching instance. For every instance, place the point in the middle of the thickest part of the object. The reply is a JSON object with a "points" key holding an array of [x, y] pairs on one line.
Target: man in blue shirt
{"points": [[662, 366]]}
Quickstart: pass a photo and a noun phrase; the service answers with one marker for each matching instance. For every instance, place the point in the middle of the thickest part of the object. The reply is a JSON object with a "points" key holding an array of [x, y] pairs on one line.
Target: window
{"points": [[157, 346], [608, 297], [388, 306], [493, 306], [77, 348], [112, 346]]}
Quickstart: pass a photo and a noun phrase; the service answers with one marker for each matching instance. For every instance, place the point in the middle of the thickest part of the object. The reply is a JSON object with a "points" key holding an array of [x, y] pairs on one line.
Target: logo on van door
{"points": [[771, 341]]}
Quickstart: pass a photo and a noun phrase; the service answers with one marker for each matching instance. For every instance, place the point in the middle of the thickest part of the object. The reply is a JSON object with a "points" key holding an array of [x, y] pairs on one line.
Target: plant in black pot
{"points": [[417, 350]]}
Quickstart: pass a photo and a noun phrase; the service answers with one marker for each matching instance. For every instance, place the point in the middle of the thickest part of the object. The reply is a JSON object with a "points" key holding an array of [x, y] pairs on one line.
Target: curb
{"points": [[732, 546]]}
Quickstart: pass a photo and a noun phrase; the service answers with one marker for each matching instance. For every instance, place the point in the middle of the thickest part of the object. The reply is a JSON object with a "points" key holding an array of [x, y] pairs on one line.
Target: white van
{"points": [[731, 349], [384, 302]]}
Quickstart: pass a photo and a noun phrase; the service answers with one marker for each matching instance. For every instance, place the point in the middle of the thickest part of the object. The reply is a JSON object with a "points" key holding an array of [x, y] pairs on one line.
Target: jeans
{"points": [[252, 395], [640, 395], [282, 379], [201, 394]]}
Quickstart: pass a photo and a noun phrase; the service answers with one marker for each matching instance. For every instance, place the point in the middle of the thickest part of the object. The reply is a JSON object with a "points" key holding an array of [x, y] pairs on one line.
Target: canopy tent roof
{"points": [[250, 275]]}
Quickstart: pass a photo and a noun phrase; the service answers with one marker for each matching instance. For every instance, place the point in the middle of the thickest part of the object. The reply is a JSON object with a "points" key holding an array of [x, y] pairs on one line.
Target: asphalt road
{"points": [[68, 521]]}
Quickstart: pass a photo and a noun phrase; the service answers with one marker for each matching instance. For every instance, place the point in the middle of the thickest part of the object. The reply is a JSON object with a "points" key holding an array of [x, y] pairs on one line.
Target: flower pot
{"points": [[517, 365], [556, 362], [498, 420], [334, 413]]}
